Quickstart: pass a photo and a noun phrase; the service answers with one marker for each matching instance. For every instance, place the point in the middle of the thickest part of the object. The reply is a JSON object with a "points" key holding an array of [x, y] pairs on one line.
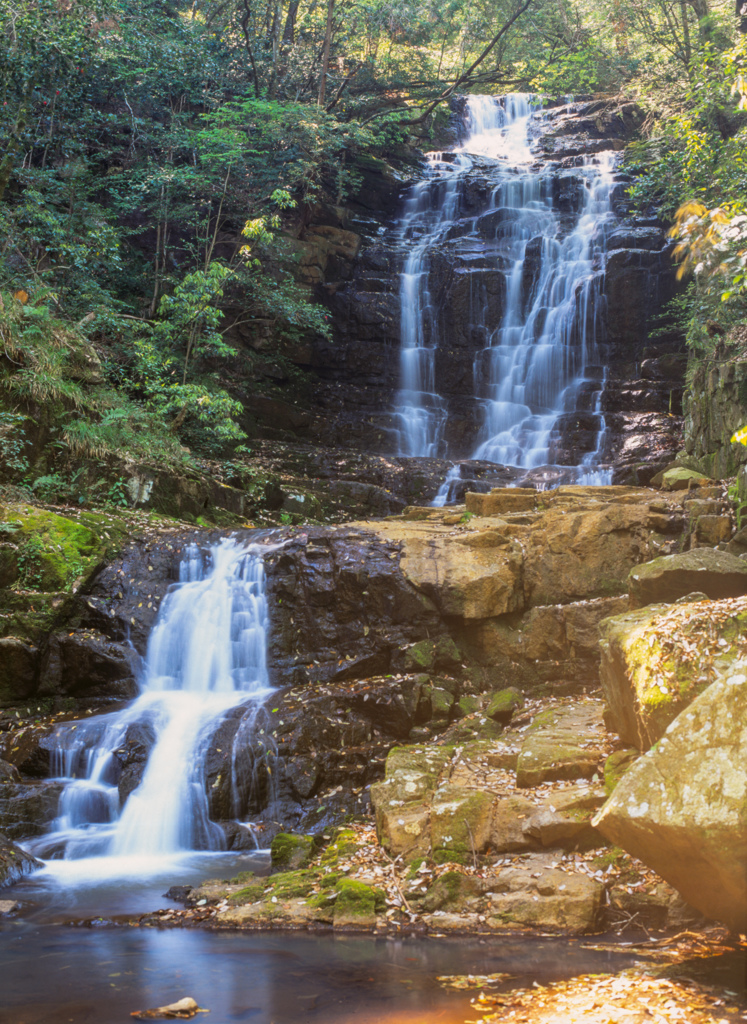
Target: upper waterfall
{"points": [[534, 255]]}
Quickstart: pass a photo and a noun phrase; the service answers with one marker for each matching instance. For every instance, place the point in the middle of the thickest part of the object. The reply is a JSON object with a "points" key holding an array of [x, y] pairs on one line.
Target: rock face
{"points": [[716, 407], [524, 583], [351, 260], [716, 574], [657, 660], [682, 808]]}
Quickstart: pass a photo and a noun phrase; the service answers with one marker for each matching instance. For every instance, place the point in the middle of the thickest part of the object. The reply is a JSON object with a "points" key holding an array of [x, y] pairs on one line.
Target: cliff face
{"points": [[352, 258]]}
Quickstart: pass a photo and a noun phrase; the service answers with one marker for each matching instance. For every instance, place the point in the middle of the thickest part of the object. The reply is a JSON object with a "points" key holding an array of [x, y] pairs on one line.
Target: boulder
{"points": [[503, 704], [657, 660], [682, 808], [715, 573], [679, 478]]}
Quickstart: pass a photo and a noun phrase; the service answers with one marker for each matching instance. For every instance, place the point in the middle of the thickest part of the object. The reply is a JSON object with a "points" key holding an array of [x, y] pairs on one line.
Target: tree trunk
{"points": [[289, 32], [741, 13], [325, 52]]}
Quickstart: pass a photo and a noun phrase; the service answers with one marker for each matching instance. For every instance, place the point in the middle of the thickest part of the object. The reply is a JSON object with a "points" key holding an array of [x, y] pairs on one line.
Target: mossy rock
{"points": [[344, 845], [504, 704], [467, 705], [449, 892], [460, 823], [289, 852], [357, 904], [249, 894], [420, 657], [441, 702]]}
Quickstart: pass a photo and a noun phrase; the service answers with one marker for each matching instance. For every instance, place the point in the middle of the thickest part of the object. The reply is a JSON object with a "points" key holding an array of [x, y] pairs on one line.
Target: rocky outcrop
{"points": [[716, 574], [657, 660], [681, 808], [525, 579], [453, 803]]}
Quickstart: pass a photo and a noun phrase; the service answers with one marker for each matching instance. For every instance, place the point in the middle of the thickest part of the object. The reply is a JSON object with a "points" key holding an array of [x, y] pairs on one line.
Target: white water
{"points": [[206, 655], [541, 360]]}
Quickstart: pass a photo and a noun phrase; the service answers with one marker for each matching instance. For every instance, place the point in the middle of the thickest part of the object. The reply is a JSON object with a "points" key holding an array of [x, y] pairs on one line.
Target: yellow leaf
{"points": [[740, 436]]}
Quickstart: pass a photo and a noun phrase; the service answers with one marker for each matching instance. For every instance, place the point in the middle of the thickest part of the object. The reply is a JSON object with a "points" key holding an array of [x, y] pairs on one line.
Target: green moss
{"points": [[450, 891], [504, 703], [468, 705], [293, 884], [414, 866], [289, 852], [343, 846], [441, 702], [420, 657], [356, 899], [450, 857], [249, 894]]}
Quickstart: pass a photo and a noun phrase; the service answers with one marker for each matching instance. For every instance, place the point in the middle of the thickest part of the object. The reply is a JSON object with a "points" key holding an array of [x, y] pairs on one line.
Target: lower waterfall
{"points": [[206, 656]]}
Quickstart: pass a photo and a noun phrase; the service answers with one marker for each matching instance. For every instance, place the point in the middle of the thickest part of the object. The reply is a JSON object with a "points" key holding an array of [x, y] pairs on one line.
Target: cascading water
{"points": [[206, 656], [540, 361], [421, 413]]}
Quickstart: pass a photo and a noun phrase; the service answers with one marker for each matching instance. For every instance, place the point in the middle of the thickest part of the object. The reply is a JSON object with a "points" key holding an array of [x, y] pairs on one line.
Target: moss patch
{"points": [[289, 852]]}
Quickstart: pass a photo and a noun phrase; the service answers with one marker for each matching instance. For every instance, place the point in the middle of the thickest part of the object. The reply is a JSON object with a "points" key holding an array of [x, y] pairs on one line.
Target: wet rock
{"points": [[85, 662], [19, 664], [28, 808], [14, 862], [681, 807], [132, 757], [715, 573], [8, 773]]}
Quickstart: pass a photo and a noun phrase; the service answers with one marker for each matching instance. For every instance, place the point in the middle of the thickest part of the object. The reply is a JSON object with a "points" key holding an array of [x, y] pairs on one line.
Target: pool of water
{"points": [[61, 974]]}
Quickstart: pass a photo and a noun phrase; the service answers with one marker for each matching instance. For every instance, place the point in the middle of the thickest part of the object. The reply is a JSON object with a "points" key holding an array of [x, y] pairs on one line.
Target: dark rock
{"points": [[27, 809], [19, 664], [14, 862], [85, 662], [132, 756], [178, 893]]}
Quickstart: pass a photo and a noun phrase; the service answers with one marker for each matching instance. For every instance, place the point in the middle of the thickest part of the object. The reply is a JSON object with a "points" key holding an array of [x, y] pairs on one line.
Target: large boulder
{"points": [[682, 808], [656, 660], [714, 573]]}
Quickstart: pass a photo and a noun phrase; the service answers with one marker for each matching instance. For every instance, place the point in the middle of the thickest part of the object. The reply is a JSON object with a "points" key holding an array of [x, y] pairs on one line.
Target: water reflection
{"points": [[66, 975]]}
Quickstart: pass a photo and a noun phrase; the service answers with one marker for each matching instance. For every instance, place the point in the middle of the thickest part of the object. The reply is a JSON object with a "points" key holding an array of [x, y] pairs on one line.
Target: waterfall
{"points": [[206, 656], [538, 369]]}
